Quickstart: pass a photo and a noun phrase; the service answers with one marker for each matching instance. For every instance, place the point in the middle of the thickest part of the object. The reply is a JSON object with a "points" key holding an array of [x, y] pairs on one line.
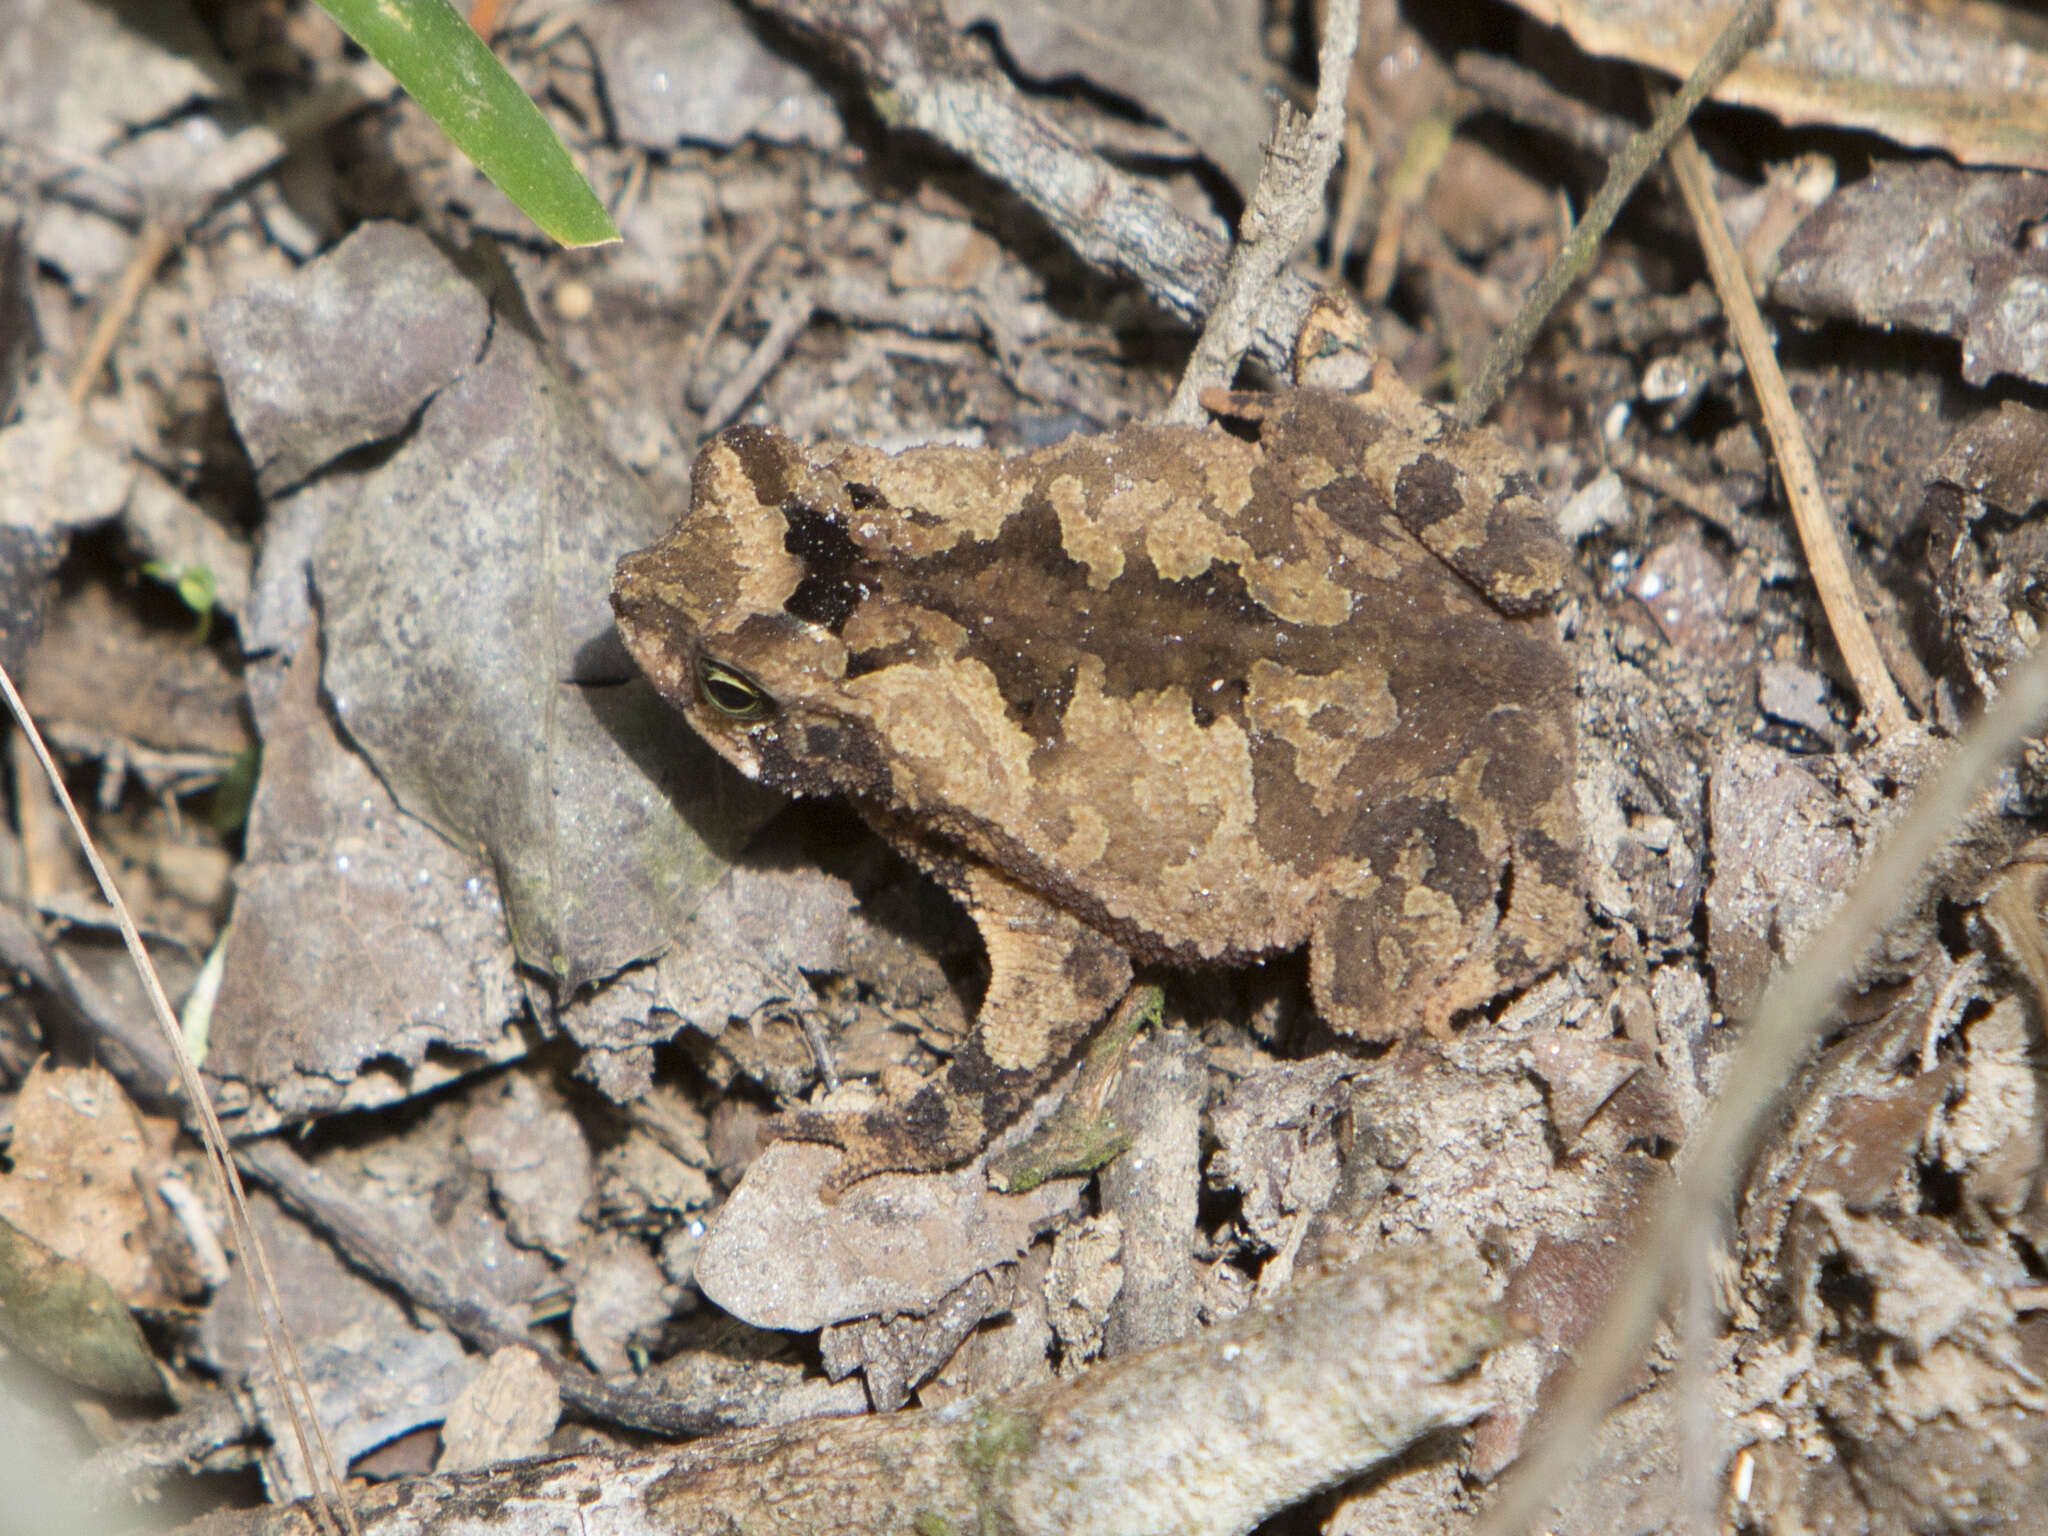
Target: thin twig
{"points": [[1810, 514], [1794, 1009], [136, 1057], [1706, 501], [48, 868], [558, 23], [1352, 194], [736, 282], [306, 1426], [367, 1240], [1699, 1440], [1740, 35], [152, 244], [629, 195], [1421, 156], [1019, 341], [790, 322], [1284, 207]]}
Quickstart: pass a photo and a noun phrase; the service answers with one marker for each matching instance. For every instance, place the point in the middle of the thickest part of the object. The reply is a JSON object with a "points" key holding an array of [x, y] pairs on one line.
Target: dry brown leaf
{"points": [[79, 1148], [1935, 77]]}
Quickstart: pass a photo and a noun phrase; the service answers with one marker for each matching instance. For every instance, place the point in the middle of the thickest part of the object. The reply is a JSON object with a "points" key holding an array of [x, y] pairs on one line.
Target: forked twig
{"points": [[1282, 209], [743, 269], [791, 319]]}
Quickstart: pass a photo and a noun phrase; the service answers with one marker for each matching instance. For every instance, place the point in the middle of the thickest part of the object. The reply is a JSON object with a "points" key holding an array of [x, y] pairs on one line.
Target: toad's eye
{"points": [[731, 692]]}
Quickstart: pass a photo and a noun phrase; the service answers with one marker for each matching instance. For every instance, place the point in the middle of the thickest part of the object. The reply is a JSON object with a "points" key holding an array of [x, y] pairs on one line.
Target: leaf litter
{"points": [[427, 546]]}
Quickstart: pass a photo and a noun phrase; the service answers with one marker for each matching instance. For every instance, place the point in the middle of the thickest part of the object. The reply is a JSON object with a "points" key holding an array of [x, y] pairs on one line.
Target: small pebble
{"points": [[574, 300], [1795, 695]]}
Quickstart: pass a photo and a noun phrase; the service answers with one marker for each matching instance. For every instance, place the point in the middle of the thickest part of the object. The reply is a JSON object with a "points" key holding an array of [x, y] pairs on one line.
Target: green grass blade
{"points": [[453, 74]]}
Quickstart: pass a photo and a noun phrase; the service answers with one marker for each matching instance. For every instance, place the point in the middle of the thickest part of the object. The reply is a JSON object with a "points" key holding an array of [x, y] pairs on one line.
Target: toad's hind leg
{"points": [[1051, 980], [1380, 967]]}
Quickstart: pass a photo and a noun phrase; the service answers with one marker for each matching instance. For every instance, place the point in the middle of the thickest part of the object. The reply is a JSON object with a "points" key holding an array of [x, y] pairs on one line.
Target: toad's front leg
{"points": [[1051, 980]]}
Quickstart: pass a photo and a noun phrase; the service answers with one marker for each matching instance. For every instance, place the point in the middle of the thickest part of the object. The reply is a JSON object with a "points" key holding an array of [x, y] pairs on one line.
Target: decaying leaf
{"points": [[345, 353], [1935, 77], [63, 1316], [778, 1258], [358, 935], [376, 1370], [470, 655], [468, 647], [81, 1156]]}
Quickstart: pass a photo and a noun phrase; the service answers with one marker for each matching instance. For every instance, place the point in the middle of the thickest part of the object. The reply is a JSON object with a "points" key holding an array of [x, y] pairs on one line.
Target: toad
{"points": [[1168, 695]]}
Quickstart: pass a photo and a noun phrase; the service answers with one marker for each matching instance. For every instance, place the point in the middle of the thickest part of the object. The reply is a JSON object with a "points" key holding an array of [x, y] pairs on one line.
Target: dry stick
{"points": [[1204, 1437], [1699, 1446], [1283, 208], [1352, 193], [1706, 501], [1791, 1015], [1824, 558], [1525, 97], [152, 244], [933, 312], [367, 1239], [136, 1057], [333, 1502], [556, 23], [1740, 35], [1428, 141], [40, 834], [629, 194], [923, 75]]}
